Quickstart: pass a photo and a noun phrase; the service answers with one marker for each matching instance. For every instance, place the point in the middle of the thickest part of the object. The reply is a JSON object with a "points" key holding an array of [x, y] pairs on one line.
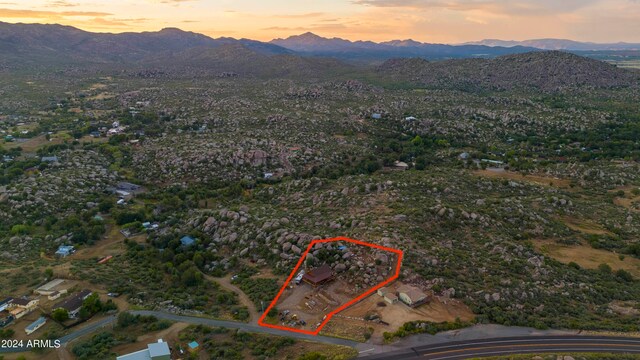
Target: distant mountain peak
{"points": [[406, 42], [309, 34], [558, 44]]}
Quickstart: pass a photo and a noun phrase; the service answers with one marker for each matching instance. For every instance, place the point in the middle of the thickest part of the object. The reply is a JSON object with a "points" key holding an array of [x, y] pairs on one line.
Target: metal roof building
{"points": [[154, 351]]}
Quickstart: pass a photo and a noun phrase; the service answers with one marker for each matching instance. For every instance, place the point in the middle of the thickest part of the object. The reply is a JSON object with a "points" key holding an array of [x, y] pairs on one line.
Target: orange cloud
{"points": [[41, 14]]}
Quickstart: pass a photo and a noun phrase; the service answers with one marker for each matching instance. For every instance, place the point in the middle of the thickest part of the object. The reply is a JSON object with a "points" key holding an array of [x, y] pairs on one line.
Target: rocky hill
{"points": [[50, 44], [235, 59], [548, 71]]}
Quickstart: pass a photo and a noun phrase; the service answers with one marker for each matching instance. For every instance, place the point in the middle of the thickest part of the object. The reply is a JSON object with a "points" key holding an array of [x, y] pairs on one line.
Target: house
{"points": [[73, 304], [187, 240], [411, 118], [318, 276], [493, 162], [49, 288], [18, 313], [8, 138], [25, 303], [123, 194], [376, 116], [391, 298], [35, 325], [65, 250], [95, 134], [127, 186], [464, 156], [268, 175], [5, 318], [400, 165], [22, 306], [56, 295], [412, 296], [154, 351], [49, 159], [4, 304], [193, 345]]}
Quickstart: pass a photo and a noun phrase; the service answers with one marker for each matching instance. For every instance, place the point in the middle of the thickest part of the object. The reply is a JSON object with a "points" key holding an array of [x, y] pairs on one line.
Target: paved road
{"points": [[520, 345], [192, 320], [72, 336], [244, 326]]}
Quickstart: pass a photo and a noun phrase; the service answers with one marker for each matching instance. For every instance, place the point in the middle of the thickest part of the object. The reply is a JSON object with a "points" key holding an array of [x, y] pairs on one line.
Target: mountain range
{"points": [[174, 51], [50, 43], [559, 44], [29, 43], [314, 45]]}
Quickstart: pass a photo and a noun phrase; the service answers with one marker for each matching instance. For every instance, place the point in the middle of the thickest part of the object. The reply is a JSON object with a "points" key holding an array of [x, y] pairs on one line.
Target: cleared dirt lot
{"points": [[351, 322], [587, 257], [498, 173], [311, 305], [584, 226]]}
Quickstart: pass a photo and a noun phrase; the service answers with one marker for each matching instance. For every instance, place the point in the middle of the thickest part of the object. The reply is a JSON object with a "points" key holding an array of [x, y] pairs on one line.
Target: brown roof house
{"points": [[318, 276], [73, 304], [22, 306], [412, 296]]}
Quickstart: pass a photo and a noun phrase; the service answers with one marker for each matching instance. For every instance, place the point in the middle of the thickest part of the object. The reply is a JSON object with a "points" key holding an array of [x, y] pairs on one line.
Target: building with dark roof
{"points": [[319, 276], [4, 304], [127, 186], [73, 304], [5, 318]]}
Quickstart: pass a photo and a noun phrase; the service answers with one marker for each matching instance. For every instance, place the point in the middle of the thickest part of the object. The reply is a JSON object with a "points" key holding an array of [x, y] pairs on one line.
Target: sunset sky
{"points": [[446, 21]]}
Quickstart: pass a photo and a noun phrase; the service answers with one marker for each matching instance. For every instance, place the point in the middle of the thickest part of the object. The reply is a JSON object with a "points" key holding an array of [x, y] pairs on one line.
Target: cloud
{"points": [[108, 22], [42, 14], [172, 2], [511, 7], [300, 16], [476, 20], [285, 28], [61, 3]]}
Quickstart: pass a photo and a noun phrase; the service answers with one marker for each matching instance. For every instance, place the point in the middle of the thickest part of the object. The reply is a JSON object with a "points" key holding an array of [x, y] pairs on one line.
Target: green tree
{"points": [[60, 315], [92, 304], [624, 275], [604, 268]]}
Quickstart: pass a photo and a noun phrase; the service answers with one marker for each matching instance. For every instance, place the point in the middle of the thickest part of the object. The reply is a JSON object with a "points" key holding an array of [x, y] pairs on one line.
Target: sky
{"points": [[441, 21]]}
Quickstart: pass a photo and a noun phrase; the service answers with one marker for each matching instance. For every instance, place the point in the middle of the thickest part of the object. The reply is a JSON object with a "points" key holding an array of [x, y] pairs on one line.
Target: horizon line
{"points": [[329, 37]]}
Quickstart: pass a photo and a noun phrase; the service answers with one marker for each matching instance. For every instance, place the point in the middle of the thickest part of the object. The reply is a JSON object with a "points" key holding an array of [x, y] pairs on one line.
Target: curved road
{"points": [[516, 345], [465, 349], [192, 320], [244, 326]]}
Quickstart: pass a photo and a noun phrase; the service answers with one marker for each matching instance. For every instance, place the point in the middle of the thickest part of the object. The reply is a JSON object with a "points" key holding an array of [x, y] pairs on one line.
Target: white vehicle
{"points": [[298, 278]]}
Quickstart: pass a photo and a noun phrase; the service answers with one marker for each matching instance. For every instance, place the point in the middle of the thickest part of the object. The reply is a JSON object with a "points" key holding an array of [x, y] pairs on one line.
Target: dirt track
{"points": [[225, 282]]}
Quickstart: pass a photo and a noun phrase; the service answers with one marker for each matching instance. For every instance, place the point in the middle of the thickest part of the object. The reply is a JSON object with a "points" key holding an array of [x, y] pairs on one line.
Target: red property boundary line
{"points": [[344, 306]]}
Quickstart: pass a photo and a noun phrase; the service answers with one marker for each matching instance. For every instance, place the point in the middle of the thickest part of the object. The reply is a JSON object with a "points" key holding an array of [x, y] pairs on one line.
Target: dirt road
{"points": [[225, 282]]}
